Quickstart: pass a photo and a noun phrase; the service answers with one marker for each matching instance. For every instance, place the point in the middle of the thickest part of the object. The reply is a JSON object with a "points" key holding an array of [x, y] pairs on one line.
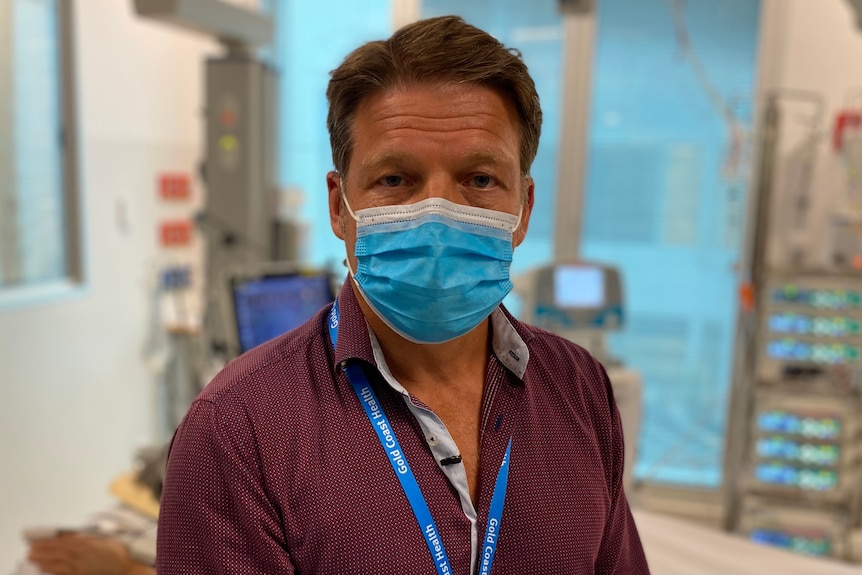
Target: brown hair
{"points": [[444, 49]]}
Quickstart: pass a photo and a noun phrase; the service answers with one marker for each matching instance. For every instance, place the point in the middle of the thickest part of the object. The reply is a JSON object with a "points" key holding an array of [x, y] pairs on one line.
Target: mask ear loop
{"points": [[352, 275], [518, 222], [349, 268], [350, 210], [356, 219]]}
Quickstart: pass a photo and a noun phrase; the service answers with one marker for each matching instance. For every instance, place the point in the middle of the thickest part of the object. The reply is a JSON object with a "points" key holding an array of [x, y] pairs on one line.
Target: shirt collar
{"points": [[356, 341], [353, 341], [508, 345]]}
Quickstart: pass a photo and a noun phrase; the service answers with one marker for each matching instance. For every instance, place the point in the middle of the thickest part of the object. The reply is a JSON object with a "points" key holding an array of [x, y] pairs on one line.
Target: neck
{"points": [[422, 365]]}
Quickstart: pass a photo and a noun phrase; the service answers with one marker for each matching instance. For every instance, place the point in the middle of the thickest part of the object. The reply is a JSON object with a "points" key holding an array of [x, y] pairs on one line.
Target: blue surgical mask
{"points": [[433, 270]]}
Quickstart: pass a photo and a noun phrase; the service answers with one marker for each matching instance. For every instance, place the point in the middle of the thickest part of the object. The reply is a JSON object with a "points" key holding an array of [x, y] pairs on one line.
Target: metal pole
{"points": [[579, 25], [405, 12], [743, 384], [772, 36], [10, 255]]}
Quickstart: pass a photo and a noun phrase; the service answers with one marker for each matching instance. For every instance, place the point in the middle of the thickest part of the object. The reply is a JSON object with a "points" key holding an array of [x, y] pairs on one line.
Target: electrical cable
{"points": [[737, 132]]}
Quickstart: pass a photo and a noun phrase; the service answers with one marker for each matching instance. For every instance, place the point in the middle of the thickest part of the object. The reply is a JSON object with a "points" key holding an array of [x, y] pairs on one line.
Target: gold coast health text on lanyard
{"points": [[398, 460]]}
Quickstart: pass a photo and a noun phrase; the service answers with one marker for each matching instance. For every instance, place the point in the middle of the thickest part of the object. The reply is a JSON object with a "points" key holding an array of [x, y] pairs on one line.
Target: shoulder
{"points": [[565, 369], [260, 398], [569, 385], [281, 367], [570, 362]]}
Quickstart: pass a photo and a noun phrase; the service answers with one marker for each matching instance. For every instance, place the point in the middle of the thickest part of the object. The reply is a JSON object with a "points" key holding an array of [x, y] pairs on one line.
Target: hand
{"points": [[80, 554]]}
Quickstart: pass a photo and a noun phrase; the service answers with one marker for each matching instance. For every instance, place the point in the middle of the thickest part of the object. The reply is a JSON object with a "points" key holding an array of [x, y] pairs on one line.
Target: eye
{"points": [[392, 181], [482, 181]]}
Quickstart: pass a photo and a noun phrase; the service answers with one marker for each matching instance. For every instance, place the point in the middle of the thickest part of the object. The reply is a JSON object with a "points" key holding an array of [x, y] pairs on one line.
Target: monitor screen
{"points": [[268, 306], [809, 479], [778, 447], [811, 543], [579, 287], [811, 425], [817, 352]]}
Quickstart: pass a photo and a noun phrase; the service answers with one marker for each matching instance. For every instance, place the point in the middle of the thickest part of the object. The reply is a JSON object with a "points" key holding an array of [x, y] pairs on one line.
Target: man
{"points": [[415, 427]]}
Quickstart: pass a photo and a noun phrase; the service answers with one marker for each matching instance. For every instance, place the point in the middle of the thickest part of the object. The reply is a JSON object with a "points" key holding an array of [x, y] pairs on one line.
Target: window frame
{"points": [[69, 141], [15, 296]]}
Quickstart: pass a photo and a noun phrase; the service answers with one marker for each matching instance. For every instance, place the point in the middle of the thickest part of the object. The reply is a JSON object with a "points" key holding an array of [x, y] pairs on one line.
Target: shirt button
{"points": [[432, 440]]}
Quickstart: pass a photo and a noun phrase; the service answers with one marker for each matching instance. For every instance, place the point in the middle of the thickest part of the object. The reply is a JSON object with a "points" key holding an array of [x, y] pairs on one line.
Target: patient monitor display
{"points": [[269, 305], [579, 287], [566, 296]]}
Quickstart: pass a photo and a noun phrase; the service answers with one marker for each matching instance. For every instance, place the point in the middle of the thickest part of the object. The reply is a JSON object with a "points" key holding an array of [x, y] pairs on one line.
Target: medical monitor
{"points": [[812, 530], [567, 296], [268, 305]]}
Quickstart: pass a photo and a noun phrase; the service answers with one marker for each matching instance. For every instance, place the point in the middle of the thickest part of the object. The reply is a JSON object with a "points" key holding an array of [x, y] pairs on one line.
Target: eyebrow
{"points": [[395, 158], [383, 159], [485, 158]]}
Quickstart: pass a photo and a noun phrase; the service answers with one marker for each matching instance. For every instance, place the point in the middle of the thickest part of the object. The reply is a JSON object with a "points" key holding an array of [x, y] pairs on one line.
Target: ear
{"points": [[336, 205], [526, 210]]}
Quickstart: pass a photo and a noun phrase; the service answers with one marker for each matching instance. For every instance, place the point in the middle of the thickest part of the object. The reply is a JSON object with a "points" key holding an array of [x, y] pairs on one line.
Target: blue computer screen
{"points": [[269, 306], [579, 287]]}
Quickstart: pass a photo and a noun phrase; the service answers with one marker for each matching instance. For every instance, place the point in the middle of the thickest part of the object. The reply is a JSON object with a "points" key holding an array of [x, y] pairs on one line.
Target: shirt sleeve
{"points": [[215, 516], [621, 552]]}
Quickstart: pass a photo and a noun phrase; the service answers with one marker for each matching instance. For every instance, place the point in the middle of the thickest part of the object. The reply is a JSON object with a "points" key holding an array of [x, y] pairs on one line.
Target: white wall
{"points": [[77, 399], [814, 46]]}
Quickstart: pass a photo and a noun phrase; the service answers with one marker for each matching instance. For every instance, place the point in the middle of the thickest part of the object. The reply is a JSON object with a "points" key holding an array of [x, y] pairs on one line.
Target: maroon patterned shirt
{"points": [[276, 469]]}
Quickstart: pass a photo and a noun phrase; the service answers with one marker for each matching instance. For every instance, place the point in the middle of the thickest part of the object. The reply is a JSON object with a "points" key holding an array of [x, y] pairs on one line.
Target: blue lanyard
{"points": [[405, 476]]}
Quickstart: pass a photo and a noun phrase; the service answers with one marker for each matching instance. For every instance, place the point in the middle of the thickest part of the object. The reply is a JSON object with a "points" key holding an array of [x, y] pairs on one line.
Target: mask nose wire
{"points": [[356, 218]]}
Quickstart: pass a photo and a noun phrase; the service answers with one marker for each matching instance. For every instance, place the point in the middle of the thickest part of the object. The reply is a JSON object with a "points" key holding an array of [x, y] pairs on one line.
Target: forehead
{"points": [[455, 116]]}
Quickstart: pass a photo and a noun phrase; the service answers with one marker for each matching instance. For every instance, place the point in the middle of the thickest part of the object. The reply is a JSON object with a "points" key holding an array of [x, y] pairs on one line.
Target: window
{"points": [[38, 205], [673, 87]]}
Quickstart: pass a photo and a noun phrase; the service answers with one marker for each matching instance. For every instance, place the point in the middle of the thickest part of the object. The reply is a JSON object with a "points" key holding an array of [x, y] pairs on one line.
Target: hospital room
{"points": [[596, 266]]}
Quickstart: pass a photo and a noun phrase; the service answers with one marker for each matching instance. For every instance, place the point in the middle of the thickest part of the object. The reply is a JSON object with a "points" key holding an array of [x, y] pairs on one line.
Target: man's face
{"points": [[460, 143]]}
